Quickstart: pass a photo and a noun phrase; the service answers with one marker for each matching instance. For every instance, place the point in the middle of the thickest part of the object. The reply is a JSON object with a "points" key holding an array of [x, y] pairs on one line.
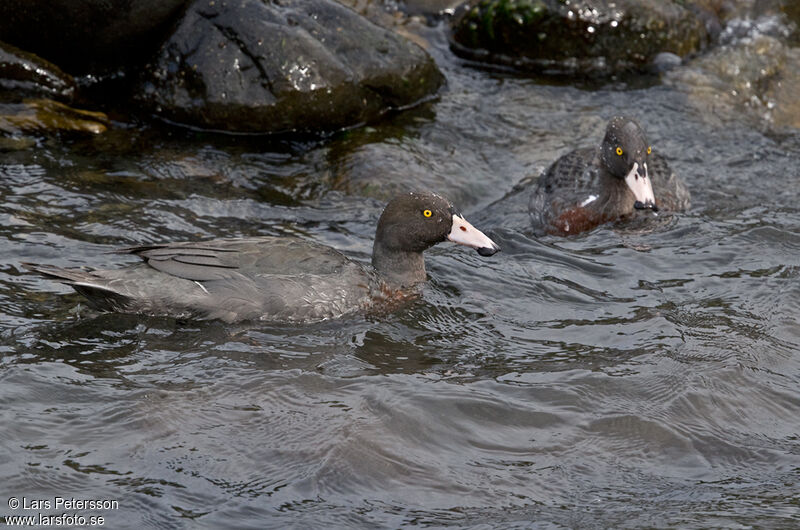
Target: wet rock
{"points": [[754, 69], [26, 73], [80, 35], [382, 171], [595, 37], [664, 62], [414, 26], [295, 65], [387, 13], [403, 154], [377, 12], [718, 14], [781, 99], [429, 7], [47, 116]]}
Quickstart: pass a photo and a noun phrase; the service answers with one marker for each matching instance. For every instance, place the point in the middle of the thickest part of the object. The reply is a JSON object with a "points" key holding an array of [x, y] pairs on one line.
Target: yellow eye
{"points": [[619, 151], [427, 213], [649, 149]]}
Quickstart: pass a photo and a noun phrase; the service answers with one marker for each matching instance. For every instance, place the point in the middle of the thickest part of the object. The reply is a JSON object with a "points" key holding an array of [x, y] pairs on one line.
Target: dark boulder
{"points": [[288, 65], [25, 73], [84, 35], [596, 37]]}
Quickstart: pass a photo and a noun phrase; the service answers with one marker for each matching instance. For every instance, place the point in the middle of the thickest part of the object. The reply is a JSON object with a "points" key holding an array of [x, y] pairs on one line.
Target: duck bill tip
{"points": [[488, 251], [639, 205], [463, 233]]}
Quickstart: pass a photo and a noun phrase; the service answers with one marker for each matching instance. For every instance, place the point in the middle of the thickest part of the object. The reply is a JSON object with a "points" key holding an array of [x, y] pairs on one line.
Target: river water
{"points": [[640, 375]]}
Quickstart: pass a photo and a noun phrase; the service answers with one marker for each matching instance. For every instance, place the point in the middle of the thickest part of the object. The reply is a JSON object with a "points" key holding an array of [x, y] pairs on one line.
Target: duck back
{"points": [[565, 199], [671, 193]]}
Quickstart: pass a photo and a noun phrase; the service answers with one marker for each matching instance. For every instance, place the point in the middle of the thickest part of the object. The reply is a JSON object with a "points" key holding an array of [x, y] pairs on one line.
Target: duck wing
{"points": [[564, 197], [671, 193], [266, 278], [232, 258]]}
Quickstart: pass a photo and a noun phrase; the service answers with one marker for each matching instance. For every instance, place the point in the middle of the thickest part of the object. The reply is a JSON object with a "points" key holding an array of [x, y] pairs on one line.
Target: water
{"points": [[641, 375]]}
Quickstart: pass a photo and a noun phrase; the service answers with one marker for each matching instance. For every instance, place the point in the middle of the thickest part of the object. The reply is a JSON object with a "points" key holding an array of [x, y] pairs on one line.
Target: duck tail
{"points": [[67, 276], [100, 296]]}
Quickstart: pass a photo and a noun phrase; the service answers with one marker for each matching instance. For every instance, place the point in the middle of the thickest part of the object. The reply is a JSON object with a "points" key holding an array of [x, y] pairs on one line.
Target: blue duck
{"points": [[277, 279], [592, 186]]}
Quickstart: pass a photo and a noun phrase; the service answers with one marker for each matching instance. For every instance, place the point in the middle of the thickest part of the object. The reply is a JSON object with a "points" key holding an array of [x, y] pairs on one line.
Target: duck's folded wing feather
{"points": [[213, 260], [233, 258], [670, 191]]}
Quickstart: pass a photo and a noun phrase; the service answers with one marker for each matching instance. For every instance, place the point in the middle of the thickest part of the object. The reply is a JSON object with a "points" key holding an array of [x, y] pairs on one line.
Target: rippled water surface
{"points": [[641, 375]]}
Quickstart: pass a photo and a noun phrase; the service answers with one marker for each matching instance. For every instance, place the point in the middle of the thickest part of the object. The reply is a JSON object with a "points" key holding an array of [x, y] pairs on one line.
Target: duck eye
{"points": [[649, 149], [619, 151], [427, 213]]}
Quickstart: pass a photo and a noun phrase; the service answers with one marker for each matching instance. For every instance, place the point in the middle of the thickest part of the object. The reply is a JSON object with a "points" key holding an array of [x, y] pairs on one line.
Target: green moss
{"points": [[488, 21], [488, 18]]}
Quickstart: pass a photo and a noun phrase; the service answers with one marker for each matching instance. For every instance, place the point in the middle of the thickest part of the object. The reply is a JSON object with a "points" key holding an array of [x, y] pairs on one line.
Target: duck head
{"points": [[414, 222], [624, 154]]}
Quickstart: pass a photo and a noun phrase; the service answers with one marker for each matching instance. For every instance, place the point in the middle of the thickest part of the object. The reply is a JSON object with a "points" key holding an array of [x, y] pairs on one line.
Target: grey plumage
{"points": [[234, 279], [280, 279]]}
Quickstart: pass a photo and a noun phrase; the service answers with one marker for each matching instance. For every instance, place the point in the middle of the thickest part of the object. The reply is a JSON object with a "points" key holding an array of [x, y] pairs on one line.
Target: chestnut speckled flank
{"points": [[277, 279], [591, 186]]}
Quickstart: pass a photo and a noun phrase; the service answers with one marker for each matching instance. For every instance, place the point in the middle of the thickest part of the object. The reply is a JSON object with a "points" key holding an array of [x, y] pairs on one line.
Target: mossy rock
{"points": [[48, 116], [596, 37]]}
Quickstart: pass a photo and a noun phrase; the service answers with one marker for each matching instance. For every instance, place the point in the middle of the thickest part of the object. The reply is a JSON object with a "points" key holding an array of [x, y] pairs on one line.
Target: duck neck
{"points": [[616, 196], [398, 268]]}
